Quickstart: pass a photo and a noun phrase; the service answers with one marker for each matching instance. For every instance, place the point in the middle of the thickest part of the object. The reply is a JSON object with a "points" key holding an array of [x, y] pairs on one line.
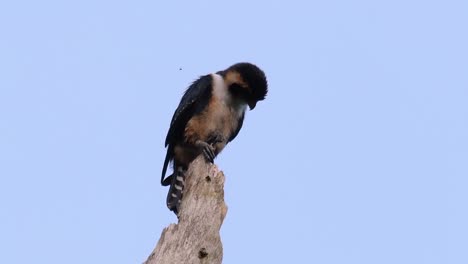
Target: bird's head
{"points": [[246, 82]]}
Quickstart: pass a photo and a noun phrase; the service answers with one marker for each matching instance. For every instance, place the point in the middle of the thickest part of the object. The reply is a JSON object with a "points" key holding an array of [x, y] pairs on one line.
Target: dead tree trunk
{"points": [[195, 239]]}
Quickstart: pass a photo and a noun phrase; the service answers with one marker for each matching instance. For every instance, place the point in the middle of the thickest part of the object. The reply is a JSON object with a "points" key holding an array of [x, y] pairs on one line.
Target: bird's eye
{"points": [[236, 89]]}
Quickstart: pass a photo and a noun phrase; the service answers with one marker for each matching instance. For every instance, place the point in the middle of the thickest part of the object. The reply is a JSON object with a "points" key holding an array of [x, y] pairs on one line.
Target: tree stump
{"points": [[195, 238]]}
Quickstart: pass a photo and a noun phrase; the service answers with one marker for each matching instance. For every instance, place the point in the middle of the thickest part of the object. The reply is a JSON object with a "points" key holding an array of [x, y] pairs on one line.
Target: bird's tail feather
{"points": [[174, 196]]}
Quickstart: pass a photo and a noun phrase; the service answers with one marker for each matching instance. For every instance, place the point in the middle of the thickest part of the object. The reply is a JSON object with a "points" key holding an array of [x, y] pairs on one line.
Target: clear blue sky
{"points": [[359, 154]]}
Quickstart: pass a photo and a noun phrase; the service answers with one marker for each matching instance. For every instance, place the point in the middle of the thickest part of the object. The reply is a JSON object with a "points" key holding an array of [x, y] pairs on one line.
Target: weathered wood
{"points": [[195, 239]]}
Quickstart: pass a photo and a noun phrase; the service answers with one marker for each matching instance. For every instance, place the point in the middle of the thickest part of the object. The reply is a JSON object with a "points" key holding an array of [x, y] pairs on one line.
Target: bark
{"points": [[195, 239]]}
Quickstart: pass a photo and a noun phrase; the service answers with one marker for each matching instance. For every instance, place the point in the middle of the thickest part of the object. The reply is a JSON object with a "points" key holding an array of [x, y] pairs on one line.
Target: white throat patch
{"points": [[219, 88]]}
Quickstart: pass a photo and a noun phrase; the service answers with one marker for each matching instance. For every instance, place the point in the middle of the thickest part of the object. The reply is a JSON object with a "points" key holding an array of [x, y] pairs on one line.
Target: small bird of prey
{"points": [[209, 116]]}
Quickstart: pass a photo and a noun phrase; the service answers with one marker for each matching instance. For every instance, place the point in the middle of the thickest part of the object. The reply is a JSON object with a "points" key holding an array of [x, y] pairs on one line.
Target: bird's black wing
{"points": [[194, 100], [239, 126]]}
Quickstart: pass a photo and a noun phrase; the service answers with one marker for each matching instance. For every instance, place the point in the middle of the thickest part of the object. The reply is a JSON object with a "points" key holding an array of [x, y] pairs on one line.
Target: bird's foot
{"points": [[207, 149]]}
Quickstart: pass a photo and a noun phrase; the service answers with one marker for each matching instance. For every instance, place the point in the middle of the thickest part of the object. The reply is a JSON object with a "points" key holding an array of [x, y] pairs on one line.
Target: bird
{"points": [[209, 116]]}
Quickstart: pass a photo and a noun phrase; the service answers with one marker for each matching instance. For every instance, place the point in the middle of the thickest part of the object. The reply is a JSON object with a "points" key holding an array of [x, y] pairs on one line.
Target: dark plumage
{"points": [[210, 114]]}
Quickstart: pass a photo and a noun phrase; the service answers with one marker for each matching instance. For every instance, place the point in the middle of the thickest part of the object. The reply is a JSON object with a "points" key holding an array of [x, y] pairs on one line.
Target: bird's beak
{"points": [[252, 105]]}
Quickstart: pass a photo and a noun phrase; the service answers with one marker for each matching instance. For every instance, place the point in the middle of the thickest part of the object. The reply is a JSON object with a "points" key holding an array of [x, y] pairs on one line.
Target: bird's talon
{"points": [[207, 150], [208, 153]]}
